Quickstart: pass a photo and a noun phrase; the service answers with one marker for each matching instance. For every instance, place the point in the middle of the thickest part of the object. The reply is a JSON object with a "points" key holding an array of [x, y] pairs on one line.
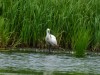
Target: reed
{"points": [[81, 40], [72, 21]]}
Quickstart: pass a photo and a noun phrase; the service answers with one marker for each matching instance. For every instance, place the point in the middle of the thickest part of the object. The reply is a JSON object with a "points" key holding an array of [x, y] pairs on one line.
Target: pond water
{"points": [[47, 64]]}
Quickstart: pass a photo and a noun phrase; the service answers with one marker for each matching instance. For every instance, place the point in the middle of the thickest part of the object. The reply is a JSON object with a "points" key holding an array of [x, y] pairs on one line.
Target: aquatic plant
{"points": [[81, 40], [25, 22]]}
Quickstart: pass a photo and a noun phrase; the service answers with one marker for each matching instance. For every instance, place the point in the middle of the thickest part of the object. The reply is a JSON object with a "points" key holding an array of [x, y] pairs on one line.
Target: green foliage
{"points": [[4, 35], [26, 22], [31, 72], [96, 44], [81, 41]]}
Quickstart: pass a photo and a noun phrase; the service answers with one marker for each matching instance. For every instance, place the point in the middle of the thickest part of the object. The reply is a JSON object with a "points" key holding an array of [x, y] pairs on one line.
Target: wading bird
{"points": [[50, 39]]}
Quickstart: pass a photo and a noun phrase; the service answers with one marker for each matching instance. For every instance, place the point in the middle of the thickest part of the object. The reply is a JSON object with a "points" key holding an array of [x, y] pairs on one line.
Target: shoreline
{"points": [[53, 51]]}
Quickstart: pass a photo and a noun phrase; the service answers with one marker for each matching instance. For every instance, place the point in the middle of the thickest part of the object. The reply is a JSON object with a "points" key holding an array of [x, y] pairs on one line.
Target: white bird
{"points": [[50, 39]]}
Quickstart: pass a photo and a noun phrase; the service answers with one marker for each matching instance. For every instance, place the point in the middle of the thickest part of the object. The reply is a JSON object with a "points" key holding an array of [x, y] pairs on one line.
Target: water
{"points": [[47, 64]]}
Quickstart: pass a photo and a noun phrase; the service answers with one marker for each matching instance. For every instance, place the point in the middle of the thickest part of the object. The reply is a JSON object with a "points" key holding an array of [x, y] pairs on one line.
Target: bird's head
{"points": [[48, 30]]}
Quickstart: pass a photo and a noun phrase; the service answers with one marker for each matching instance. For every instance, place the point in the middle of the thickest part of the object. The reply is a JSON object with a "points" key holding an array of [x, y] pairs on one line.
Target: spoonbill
{"points": [[50, 39]]}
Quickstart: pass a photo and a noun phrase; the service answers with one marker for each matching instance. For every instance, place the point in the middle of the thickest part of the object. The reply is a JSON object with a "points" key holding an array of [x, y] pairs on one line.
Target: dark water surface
{"points": [[48, 64]]}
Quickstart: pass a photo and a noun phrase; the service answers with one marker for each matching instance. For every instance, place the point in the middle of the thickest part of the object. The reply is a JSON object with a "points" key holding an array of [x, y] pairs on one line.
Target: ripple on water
{"points": [[33, 61]]}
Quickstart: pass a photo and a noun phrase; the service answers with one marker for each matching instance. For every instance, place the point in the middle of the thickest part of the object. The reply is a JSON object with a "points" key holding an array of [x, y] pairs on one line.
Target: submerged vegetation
{"points": [[75, 23]]}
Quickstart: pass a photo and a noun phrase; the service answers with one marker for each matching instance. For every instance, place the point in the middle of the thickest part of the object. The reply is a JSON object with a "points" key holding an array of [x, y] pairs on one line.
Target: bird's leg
{"points": [[49, 48]]}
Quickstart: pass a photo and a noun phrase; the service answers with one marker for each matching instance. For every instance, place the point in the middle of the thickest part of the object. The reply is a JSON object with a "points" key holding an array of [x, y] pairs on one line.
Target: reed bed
{"points": [[75, 23]]}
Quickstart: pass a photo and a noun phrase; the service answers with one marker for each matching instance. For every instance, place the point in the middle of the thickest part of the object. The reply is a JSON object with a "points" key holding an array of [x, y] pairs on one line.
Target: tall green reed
{"points": [[26, 22], [4, 35]]}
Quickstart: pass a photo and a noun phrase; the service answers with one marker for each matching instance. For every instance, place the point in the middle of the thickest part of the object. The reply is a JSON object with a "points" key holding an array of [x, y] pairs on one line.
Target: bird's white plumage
{"points": [[50, 39]]}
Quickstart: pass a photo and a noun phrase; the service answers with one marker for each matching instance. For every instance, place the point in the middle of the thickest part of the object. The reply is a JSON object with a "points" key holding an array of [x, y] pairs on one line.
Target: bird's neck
{"points": [[48, 34]]}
